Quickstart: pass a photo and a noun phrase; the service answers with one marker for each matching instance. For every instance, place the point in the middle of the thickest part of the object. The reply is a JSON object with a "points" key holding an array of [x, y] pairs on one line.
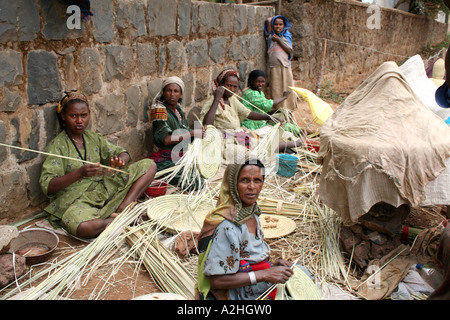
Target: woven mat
{"points": [[176, 214], [276, 226]]}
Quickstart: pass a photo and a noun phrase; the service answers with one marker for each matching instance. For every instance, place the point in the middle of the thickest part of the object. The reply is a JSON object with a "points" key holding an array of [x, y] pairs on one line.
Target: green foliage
{"points": [[428, 7], [327, 92]]}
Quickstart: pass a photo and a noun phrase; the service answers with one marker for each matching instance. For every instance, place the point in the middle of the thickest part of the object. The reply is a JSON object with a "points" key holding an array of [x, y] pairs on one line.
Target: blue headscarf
{"points": [[284, 33]]}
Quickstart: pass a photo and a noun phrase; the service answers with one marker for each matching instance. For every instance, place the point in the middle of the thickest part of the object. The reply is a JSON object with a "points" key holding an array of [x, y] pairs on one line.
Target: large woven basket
{"points": [[210, 159], [178, 212], [276, 226]]}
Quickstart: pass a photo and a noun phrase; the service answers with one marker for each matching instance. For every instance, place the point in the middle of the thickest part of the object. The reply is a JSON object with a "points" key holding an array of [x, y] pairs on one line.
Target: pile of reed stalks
{"points": [[61, 278], [314, 243]]}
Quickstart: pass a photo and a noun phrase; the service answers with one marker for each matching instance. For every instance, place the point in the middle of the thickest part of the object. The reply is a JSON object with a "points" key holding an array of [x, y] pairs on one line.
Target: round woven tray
{"points": [[276, 226], [210, 159], [301, 287], [160, 296], [175, 214]]}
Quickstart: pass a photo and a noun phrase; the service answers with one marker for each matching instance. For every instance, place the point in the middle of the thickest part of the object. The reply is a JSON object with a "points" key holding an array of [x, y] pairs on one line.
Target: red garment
{"points": [[160, 155], [244, 266]]}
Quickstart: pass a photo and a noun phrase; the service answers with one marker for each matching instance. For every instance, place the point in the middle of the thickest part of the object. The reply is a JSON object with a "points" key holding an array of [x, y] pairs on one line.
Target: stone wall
{"points": [[355, 46], [120, 55], [118, 59]]}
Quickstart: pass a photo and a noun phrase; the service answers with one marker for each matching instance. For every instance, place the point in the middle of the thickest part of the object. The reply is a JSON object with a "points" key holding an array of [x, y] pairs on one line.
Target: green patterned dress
{"points": [[258, 99], [90, 197]]}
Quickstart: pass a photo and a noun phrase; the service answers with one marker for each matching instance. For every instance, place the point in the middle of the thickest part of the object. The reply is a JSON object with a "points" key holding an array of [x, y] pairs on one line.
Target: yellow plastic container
{"points": [[320, 110]]}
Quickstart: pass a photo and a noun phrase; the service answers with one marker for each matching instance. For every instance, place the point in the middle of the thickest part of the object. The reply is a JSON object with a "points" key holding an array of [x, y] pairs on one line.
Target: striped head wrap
{"points": [[222, 76], [72, 95], [229, 204]]}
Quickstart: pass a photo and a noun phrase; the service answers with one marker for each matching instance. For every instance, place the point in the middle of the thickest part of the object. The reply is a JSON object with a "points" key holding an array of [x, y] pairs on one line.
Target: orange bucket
{"points": [[157, 188]]}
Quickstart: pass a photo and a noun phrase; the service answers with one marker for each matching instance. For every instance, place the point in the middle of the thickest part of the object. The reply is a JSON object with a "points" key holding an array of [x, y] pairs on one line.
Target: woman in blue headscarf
{"points": [[279, 52]]}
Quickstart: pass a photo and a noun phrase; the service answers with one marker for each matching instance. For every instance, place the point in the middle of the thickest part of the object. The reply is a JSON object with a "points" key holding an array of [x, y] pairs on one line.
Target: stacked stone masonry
{"points": [[118, 58]]}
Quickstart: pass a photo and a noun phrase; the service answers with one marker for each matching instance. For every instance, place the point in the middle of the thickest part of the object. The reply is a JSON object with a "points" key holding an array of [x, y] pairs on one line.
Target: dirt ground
{"points": [[131, 282], [128, 283]]}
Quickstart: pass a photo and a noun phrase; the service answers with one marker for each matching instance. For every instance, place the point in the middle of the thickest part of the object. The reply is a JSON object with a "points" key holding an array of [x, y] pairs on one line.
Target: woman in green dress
{"points": [[255, 100], [83, 197], [170, 129]]}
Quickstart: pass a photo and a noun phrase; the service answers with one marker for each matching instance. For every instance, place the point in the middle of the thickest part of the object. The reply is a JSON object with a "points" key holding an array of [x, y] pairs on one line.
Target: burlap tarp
{"points": [[381, 145]]}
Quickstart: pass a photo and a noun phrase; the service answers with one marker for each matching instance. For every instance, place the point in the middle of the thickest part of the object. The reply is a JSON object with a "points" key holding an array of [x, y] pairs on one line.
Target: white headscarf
{"points": [[158, 110]]}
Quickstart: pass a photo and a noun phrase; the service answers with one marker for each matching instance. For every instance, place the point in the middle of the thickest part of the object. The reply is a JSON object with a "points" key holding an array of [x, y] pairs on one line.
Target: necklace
{"points": [[75, 145]]}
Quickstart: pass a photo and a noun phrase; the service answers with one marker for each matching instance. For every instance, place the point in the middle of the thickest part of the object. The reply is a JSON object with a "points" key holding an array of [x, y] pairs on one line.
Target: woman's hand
{"points": [[218, 94], [117, 162], [282, 262], [276, 38], [211, 114], [277, 274], [278, 119], [89, 170]]}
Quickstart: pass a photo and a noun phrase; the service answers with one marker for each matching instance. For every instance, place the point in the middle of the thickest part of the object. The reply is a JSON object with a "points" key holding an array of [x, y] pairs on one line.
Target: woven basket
{"points": [[210, 159], [301, 287], [177, 212], [276, 226]]}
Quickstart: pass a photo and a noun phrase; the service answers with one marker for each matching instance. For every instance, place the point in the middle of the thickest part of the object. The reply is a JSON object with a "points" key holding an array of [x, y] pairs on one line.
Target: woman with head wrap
{"points": [[234, 261], [83, 199], [169, 125], [279, 53], [226, 113], [223, 109]]}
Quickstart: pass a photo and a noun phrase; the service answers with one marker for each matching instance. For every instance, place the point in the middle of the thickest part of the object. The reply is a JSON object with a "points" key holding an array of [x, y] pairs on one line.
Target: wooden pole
{"points": [[319, 79], [63, 157]]}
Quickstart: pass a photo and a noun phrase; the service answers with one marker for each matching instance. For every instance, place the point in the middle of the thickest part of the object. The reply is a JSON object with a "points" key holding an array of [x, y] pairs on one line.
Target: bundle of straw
{"points": [[195, 164], [62, 276], [162, 264], [266, 147], [187, 167], [278, 206], [329, 263]]}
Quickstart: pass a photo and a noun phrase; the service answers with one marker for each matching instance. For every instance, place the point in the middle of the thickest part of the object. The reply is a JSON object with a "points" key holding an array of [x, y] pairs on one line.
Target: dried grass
{"points": [[314, 243]]}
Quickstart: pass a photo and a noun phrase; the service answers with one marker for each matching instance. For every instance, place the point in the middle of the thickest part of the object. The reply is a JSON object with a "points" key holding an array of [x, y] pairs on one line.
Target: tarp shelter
{"points": [[382, 144]]}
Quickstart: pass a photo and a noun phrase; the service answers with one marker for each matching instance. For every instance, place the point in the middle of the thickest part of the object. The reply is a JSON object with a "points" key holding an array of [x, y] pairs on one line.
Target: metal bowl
{"points": [[35, 244]]}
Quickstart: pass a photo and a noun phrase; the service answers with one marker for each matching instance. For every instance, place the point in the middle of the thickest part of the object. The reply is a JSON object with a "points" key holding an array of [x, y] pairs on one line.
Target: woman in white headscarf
{"points": [[169, 124]]}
